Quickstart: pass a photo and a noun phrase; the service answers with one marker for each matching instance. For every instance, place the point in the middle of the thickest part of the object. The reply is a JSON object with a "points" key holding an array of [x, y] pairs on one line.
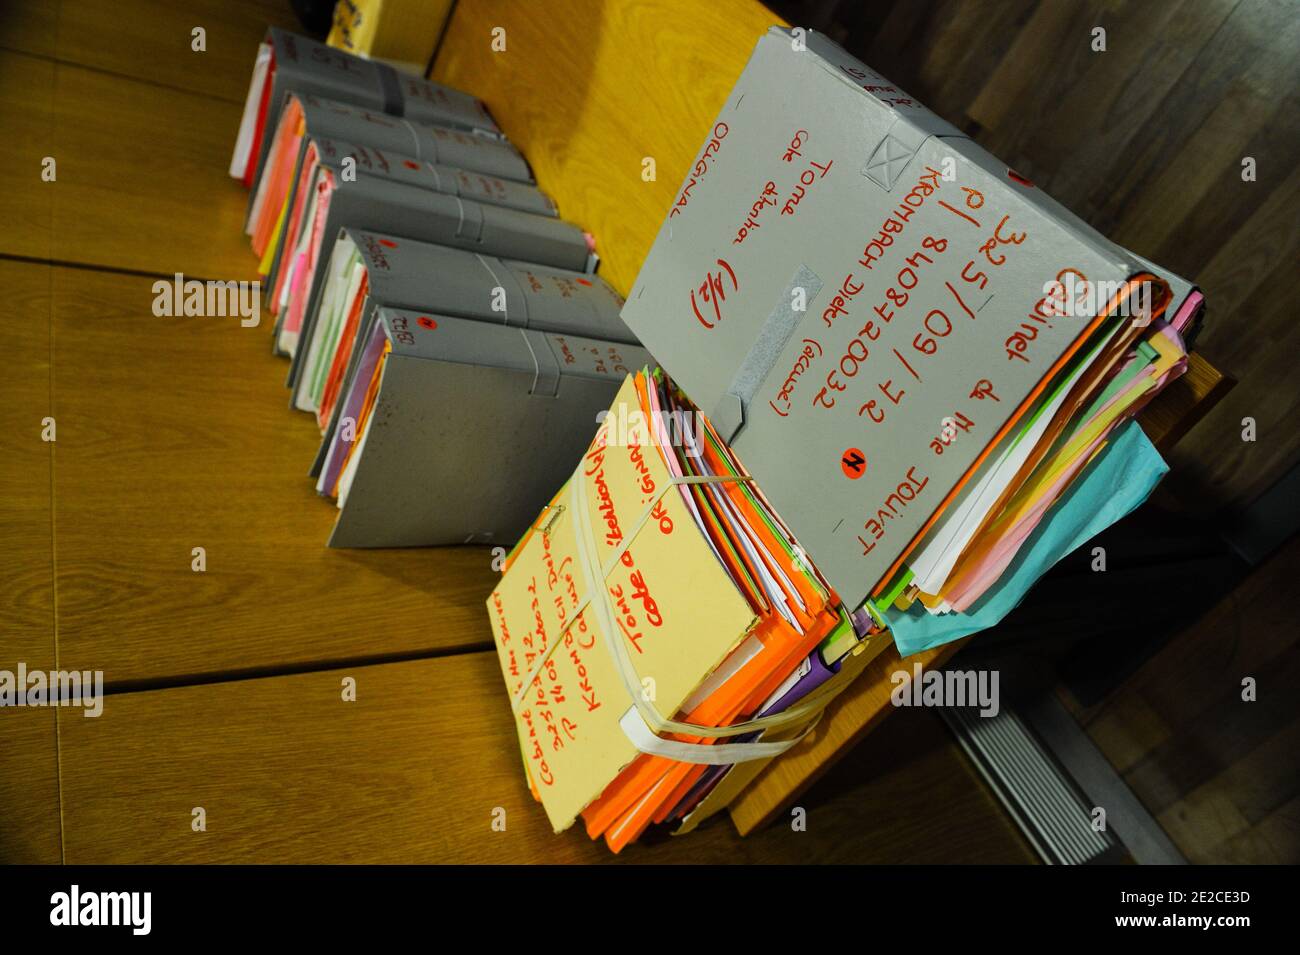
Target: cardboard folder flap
{"points": [[296, 64], [469, 211], [369, 202], [426, 142], [436, 337], [425, 101], [494, 190], [513, 234], [562, 300], [546, 356], [334, 119], [418, 480], [374, 161], [303, 65], [591, 358], [888, 97], [413, 274], [454, 147]]}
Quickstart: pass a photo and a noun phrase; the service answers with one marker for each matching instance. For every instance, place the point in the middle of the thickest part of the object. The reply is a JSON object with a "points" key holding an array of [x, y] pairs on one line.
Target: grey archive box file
{"points": [[328, 119], [472, 428], [407, 273], [287, 62], [475, 186], [383, 202], [428, 142], [842, 271], [403, 273]]}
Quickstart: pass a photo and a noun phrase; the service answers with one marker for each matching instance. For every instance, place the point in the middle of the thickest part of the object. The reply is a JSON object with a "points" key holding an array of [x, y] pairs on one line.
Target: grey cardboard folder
{"points": [[384, 201], [470, 430], [407, 273], [475, 186], [327, 119], [842, 273], [428, 142], [287, 62], [403, 273]]}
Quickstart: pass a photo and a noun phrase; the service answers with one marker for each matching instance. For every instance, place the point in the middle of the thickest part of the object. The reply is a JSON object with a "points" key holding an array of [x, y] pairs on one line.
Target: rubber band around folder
{"points": [[460, 212], [437, 179], [415, 142], [717, 754], [645, 737], [537, 367]]}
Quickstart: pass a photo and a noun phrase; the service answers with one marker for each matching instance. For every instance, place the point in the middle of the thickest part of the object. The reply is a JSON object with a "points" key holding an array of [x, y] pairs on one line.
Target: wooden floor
{"points": [[174, 434], [1220, 773]]}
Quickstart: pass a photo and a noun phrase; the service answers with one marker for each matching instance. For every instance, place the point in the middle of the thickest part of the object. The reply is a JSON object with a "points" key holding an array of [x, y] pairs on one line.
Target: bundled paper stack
{"points": [[404, 245], [902, 386]]}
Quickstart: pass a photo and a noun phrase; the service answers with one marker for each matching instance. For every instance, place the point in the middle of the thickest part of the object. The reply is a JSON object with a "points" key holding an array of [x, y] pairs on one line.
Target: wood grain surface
{"points": [[175, 433], [141, 181], [590, 93], [29, 799], [1220, 774], [149, 40], [414, 770]]}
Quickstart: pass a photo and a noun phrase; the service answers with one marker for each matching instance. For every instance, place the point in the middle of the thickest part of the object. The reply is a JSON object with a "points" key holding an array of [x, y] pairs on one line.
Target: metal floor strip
{"points": [[1043, 802]]}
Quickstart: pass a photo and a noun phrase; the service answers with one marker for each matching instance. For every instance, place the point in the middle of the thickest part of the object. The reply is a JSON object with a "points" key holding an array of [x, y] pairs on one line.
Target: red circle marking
{"points": [[388, 242], [853, 463], [411, 164], [1016, 177], [425, 321], [583, 282]]}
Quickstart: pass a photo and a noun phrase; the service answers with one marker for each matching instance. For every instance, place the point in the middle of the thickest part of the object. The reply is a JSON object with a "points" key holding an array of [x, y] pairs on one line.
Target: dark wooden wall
{"points": [[1146, 142]]}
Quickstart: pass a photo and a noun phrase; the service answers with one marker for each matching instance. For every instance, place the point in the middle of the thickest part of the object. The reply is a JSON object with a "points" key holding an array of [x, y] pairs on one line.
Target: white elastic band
{"points": [[717, 754], [537, 373], [437, 179], [415, 140]]}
